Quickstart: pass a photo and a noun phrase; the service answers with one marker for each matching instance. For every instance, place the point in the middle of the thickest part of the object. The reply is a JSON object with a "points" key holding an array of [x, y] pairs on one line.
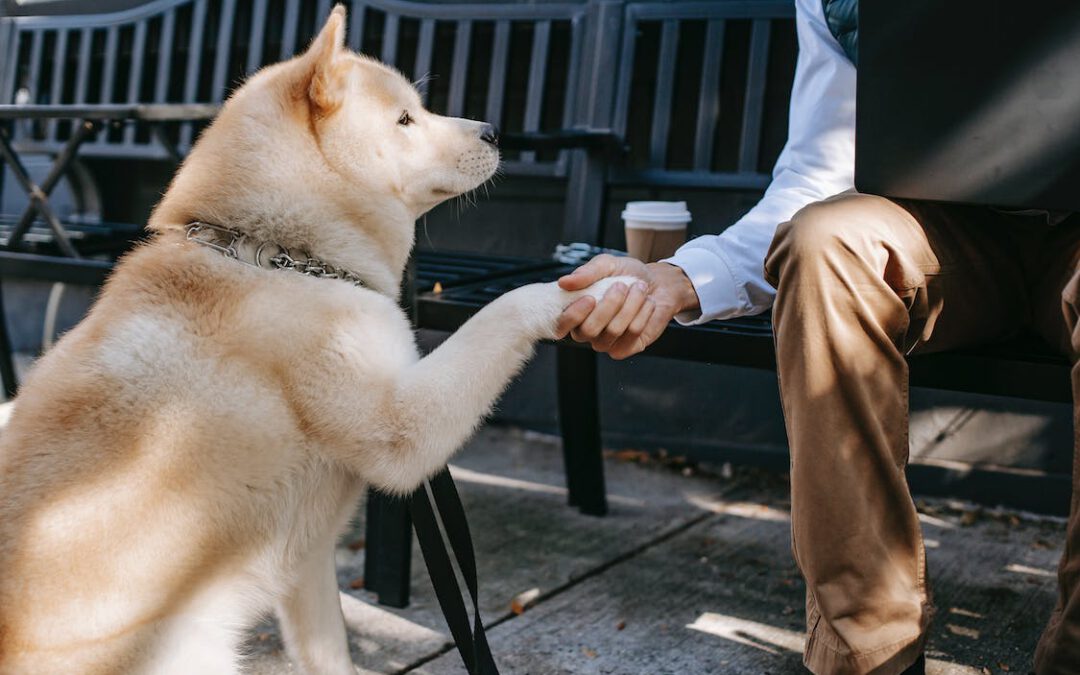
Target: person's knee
{"points": [[817, 234]]}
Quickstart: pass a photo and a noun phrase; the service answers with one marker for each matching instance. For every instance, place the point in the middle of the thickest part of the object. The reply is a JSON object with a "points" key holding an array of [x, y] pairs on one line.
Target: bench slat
{"points": [[355, 34], [665, 88], [191, 81], [459, 70], [82, 73], [534, 96], [709, 101], [626, 73], [256, 36], [36, 47], [138, 48], [165, 57], [500, 48], [322, 11], [425, 46], [750, 142], [288, 29], [221, 54], [390, 39], [59, 52], [108, 77]]}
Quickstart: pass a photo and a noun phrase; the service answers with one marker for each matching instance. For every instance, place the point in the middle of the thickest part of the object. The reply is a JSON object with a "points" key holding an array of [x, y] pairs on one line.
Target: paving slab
{"points": [[687, 575], [724, 597], [526, 537]]}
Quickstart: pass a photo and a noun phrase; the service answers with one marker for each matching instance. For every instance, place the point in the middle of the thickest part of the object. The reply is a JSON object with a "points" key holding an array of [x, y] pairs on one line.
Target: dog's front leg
{"points": [[311, 621], [437, 403]]}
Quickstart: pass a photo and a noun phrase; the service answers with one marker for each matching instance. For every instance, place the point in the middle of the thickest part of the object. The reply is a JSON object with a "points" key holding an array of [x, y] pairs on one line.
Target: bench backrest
{"points": [[699, 90], [513, 64], [700, 95], [704, 117]]}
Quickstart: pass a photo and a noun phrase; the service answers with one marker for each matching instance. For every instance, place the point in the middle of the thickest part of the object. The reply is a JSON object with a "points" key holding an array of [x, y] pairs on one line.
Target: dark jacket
{"points": [[843, 19]]}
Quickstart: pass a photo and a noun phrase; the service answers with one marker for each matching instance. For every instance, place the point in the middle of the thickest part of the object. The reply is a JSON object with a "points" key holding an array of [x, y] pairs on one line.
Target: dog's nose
{"points": [[489, 134]]}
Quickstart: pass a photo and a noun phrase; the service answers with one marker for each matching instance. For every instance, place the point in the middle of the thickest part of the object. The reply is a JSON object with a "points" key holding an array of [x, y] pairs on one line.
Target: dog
{"points": [[184, 460]]}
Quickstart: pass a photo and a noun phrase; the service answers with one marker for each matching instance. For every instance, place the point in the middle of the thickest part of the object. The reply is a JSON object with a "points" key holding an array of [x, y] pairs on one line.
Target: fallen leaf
{"points": [[588, 652], [357, 583], [357, 545], [437, 288], [1004, 666], [621, 625]]}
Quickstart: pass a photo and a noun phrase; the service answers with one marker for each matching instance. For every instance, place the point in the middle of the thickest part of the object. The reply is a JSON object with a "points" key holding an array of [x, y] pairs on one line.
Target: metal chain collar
{"points": [[228, 242]]}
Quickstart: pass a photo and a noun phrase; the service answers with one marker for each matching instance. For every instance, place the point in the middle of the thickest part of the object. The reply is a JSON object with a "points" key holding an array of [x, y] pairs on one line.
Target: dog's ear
{"points": [[325, 89]]}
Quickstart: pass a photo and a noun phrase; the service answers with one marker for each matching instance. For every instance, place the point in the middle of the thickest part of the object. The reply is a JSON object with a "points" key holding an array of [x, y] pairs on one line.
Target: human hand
{"points": [[628, 318]]}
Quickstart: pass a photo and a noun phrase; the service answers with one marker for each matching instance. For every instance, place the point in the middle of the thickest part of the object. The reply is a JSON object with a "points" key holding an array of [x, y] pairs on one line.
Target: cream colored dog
{"points": [[184, 460]]}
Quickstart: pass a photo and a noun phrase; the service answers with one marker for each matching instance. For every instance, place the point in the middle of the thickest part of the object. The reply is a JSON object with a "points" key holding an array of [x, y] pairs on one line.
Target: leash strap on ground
{"points": [[471, 640]]}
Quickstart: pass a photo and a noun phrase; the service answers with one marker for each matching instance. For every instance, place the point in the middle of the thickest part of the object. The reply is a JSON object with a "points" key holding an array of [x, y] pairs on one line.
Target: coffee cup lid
{"points": [[657, 212]]}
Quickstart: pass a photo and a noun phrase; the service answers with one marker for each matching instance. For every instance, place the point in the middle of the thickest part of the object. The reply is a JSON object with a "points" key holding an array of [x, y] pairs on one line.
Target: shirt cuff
{"points": [[717, 291]]}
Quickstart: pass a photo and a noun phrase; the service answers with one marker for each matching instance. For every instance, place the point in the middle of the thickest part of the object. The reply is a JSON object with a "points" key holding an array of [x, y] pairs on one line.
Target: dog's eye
{"points": [[405, 120]]}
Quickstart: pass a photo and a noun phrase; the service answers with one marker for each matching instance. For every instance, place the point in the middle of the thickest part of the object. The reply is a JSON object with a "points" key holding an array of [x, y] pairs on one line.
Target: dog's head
{"points": [[374, 129], [332, 152]]}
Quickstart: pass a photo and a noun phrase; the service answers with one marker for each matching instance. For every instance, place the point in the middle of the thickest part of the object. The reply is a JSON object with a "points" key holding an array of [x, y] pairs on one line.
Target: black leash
{"points": [[471, 639]]}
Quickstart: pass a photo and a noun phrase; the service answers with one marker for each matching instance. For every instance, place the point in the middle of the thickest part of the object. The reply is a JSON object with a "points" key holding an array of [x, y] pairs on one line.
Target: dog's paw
{"points": [[540, 305], [598, 289]]}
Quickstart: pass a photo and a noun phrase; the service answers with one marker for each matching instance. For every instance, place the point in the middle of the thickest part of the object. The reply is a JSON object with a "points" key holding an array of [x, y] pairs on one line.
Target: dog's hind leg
{"points": [[311, 620]]}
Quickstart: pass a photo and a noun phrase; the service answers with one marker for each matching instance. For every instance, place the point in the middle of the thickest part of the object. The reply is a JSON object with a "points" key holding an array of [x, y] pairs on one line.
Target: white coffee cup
{"points": [[654, 230]]}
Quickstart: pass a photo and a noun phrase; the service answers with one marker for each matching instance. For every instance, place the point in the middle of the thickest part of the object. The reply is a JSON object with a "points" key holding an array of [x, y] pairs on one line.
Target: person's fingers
{"points": [[655, 325], [573, 315], [607, 308], [588, 274], [635, 298], [632, 341]]}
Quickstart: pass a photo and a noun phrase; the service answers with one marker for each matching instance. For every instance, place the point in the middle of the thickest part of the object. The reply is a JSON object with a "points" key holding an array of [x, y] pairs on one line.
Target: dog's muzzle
{"points": [[489, 134]]}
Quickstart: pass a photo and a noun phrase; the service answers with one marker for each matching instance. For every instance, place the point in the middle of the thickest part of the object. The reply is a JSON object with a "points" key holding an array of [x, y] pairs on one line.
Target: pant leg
{"points": [[861, 281], [1058, 318]]}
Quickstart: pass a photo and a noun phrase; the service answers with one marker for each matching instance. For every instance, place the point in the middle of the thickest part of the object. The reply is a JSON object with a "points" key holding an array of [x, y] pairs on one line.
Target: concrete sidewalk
{"points": [[688, 574]]}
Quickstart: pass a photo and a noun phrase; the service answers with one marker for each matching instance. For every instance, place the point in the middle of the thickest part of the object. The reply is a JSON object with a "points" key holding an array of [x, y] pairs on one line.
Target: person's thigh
{"points": [[956, 269]]}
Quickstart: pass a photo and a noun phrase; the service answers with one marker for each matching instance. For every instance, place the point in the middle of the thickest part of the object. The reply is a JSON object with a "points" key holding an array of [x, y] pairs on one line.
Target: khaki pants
{"points": [[861, 282]]}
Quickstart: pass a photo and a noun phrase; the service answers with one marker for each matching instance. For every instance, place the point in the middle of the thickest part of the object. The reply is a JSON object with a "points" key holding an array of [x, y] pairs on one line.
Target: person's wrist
{"points": [[685, 295]]}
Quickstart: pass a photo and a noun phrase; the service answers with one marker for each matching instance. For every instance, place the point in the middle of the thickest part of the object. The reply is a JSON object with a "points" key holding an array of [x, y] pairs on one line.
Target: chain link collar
{"points": [[264, 255]]}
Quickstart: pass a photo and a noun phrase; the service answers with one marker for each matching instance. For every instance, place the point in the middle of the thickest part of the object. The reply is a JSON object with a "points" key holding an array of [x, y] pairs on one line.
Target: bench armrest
{"points": [[602, 140]]}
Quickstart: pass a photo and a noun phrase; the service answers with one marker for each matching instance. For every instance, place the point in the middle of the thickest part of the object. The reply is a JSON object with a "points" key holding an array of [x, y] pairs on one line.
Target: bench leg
{"points": [[7, 361], [388, 549], [579, 421]]}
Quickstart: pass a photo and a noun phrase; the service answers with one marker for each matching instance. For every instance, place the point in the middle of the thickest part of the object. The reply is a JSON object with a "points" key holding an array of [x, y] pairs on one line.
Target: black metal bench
{"points": [[666, 153]]}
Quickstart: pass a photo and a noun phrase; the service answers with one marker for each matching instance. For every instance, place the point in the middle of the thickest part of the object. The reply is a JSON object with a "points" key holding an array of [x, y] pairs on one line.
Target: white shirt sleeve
{"points": [[818, 161]]}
